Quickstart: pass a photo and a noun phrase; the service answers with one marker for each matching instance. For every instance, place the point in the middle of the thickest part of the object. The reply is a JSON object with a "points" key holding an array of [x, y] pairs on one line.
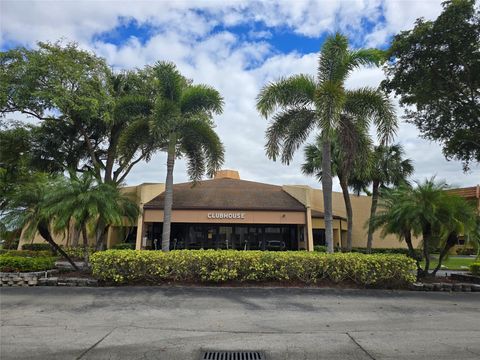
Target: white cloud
{"points": [[237, 67]]}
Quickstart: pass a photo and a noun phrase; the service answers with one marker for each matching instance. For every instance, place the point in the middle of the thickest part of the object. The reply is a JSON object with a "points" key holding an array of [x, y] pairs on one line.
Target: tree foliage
{"points": [[301, 104], [430, 212], [182, 123], [435, 69], [90, 119]]}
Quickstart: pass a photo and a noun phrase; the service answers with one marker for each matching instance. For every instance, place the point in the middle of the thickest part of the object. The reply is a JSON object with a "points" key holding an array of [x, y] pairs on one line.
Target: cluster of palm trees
{"points": [[431, 213], [51, 205], [178, 119], [341, 117]]}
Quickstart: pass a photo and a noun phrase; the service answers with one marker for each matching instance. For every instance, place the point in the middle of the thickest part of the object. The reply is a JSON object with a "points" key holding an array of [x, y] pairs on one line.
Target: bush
{"points": [[475, 268], [37, 247], [124, 246], [26, 253], [466, 251], [320, 248], [24, 264], [77, 252], [141, 266]]}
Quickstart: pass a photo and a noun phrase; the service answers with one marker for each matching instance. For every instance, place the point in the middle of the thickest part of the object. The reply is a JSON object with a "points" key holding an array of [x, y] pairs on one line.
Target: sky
{"points": [[237, 47]]}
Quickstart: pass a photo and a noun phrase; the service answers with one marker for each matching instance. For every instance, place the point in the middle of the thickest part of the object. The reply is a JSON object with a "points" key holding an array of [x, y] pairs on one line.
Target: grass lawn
{"points": [[452, 263]]}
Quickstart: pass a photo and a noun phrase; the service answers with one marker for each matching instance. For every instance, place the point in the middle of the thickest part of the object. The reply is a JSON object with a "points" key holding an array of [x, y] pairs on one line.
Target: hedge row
{"points": [[26, 253], [141, 266], [24, 264], [37, 247], [403, 251], [475, 268]]}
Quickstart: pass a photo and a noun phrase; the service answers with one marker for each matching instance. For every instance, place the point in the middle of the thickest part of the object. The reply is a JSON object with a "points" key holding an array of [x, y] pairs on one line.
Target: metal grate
{"points": [[233, 355]]}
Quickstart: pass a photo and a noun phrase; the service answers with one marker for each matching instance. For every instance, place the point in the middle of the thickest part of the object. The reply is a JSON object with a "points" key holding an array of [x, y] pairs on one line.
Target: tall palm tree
{"points": [[427, 211], [91, 206], [307, 104], [28, 209], [182, 120], [388, 167], [350, 143]]}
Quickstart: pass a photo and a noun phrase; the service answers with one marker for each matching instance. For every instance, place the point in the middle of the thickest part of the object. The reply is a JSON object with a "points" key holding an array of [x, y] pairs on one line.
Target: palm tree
{"points": [[350, 143], [388, 167], [427, 211], [307, 104], [27, 209], [182, 120], [88, 205]]}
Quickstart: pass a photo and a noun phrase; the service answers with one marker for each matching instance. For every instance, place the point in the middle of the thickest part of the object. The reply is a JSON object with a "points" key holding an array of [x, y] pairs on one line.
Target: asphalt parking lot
{"points": [[180, 323]]}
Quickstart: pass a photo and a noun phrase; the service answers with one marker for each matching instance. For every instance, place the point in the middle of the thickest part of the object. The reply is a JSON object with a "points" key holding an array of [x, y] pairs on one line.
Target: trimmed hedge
{"points": [[475, 268], [37, 247], [402, 251], [124, 246], [24, 264], [26, 253], [142, 266], [77, 252]]}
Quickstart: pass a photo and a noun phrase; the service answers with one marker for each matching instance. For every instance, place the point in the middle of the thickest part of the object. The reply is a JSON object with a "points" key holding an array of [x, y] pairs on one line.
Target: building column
{"points": [[309, 229], [139, 245]]}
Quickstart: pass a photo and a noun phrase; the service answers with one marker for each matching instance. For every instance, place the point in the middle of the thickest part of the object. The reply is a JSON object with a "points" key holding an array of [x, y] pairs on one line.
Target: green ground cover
{"points": [[452, 263]]}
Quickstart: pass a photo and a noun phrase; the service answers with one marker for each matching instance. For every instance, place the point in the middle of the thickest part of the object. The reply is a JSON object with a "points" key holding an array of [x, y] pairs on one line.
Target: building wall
{"points": [[361, 213], [311, 198]]}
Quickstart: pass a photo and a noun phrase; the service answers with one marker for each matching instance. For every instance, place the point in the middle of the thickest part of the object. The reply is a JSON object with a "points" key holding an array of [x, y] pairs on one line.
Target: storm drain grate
{"points": [[233, 355]]}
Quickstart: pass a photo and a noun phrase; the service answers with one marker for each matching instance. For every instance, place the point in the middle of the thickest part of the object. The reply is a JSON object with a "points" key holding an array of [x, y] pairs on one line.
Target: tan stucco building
{"points": [[227, 212]]}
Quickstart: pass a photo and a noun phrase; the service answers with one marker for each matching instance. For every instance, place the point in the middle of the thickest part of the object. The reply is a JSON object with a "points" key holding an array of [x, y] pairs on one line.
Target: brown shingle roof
{"points": [[228, 194], [472, 192]]}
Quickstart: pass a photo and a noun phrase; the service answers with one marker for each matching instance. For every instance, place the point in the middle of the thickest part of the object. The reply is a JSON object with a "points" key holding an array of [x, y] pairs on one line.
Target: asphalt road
{"points": [[178, 323]]}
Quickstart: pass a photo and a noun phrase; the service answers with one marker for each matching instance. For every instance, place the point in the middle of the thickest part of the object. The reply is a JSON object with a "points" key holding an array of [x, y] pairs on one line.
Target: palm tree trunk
{"points": [[167, 210], [348, 207], [373, 210], [408, 240], [327, 192], [45, 233], [426, 234], [451, 241], [85, 244]]}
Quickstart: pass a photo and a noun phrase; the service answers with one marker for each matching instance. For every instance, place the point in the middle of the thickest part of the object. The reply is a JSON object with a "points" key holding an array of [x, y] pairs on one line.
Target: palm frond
{"points": [[203, 147], [201, 98], [288, 130], [291, 92], [373, 105]]}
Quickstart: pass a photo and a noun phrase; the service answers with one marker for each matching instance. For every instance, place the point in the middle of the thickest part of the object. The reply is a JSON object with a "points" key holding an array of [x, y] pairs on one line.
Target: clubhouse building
{"points": [[227, 212]]}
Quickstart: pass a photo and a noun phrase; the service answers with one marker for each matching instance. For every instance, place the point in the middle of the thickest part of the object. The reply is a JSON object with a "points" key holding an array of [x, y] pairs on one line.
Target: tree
{"points": [[90, 206], [90, 118], [307, 105], [182, 121], [435, 69], [350, 149], [388, 167], [28, 209], [427, 211]]}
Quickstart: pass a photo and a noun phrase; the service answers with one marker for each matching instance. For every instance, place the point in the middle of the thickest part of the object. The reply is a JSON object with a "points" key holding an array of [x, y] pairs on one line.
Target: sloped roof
{"points": [[228, 194], [472, 192]]}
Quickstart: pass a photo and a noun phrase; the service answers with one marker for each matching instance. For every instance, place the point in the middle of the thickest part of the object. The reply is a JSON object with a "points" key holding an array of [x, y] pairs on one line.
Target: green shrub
{"points": [[475, 268], [466, 251], [24, 264], [320, 248], [124, 246], [37, 247], [26, 253], [77, 252], [141, 266]]}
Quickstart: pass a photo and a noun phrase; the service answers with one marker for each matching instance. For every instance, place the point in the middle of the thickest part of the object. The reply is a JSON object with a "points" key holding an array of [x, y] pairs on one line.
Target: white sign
{"points": [[226, 215]]}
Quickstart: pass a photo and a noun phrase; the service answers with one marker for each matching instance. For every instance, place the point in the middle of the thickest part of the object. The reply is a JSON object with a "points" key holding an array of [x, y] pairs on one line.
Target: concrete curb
{"points": [[458, 287]]}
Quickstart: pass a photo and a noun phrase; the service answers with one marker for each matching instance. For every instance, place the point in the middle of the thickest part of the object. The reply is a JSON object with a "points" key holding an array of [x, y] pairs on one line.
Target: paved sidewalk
{"points": [[177, 323]]}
